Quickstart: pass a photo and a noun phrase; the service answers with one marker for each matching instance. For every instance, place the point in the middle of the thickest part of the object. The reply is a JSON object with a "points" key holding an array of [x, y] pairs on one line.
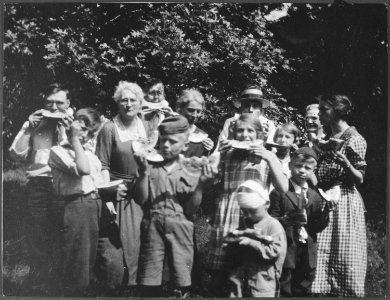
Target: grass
{"points": [[16, 258]]}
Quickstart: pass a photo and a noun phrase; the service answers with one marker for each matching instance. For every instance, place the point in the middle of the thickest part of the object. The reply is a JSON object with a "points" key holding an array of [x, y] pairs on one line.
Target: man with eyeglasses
{"points": [[43, 129]]}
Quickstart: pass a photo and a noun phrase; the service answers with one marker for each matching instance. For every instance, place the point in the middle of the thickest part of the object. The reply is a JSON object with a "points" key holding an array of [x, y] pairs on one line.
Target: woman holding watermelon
{"points": [[119, 242], [191, 105]]}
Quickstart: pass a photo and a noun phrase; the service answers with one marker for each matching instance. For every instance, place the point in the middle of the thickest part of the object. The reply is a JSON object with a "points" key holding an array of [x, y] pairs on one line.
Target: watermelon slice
{"points": [[331, 144], [197, 137], [147, 147], [193, 165], [53, 115], [277, 146], [110, 186], [245, 145]]}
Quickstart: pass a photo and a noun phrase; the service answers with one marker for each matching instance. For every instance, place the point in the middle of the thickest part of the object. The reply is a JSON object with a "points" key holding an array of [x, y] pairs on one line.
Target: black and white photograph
{"points": [[195, 150]]}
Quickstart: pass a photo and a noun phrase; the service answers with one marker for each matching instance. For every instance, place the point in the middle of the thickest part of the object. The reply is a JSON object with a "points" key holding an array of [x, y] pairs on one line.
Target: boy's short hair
{"points": [[90, 116], [55, 88], [150, 83], [305, 153], [290, 128]]}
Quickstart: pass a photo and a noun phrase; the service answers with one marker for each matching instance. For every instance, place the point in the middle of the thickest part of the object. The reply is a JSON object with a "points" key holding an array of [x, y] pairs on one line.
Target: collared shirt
{"points": [[66, 179], [299, 189], [169, 190], [35, 153], [130, 134]]}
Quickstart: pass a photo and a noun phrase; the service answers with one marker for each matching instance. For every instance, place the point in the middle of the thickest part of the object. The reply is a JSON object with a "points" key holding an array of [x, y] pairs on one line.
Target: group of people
{"points": [[288, 219]]}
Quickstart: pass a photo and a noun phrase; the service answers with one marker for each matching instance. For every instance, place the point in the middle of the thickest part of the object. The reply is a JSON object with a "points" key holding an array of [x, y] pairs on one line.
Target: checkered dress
{"points": [[342, 246], [237, 167]]}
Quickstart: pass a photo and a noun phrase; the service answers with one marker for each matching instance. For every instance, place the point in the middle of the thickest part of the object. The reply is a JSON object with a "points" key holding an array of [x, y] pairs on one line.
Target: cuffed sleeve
{"points": [[63, 160], [272, 250], [23, 155]]}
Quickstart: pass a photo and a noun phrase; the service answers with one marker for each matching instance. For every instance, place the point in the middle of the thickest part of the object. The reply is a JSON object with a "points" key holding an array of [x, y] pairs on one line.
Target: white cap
{"points": [[257, 197]]}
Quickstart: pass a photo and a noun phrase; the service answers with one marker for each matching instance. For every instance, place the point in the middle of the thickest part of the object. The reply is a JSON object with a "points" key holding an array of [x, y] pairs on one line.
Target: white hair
{"points": [[130, 86], [314, 106], [187, 96]]}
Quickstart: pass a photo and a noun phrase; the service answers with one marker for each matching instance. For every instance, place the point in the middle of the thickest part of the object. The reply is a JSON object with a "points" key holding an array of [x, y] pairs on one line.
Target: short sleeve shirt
{"points": [[66, 180], [168, 191]]}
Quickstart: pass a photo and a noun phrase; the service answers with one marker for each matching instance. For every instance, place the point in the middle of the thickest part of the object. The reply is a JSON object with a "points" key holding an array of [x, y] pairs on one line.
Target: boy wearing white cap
{"points": [[260, 247]]}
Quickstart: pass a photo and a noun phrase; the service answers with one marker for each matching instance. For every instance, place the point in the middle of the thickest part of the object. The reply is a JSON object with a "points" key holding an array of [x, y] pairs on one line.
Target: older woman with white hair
{"points": [[120, 237]]}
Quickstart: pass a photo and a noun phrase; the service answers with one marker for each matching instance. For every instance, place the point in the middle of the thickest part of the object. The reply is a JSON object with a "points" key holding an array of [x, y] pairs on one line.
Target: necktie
{"points": [[304, 195]]}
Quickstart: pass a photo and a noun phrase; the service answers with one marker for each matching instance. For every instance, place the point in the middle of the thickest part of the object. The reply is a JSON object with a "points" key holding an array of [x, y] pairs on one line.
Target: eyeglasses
{"points": [[125, 101], [52, 102], [152, 93]]}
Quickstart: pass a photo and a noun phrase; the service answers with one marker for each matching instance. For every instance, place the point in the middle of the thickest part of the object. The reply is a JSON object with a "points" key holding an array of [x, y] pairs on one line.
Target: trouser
{"points": [[218, 284], [166, 236], [297, 282], [40, 230], [81, 232]]}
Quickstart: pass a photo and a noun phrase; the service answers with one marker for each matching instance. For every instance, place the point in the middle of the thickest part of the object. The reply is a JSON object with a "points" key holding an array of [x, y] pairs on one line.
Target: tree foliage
{"points": [[215, 47]]}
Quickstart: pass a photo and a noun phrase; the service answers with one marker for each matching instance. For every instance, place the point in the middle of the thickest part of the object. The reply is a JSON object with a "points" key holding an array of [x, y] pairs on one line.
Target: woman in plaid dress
{"points": [[237, 166], [342, 247]]}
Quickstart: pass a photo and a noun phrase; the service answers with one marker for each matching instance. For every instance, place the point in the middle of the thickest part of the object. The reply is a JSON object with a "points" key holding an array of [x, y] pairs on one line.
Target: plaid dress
{"points": [[342, 246], [236, 167]]}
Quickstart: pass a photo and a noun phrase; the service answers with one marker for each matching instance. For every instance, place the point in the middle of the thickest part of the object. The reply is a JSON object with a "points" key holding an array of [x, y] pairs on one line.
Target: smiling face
{"points": [[192, 111], [171, 145], [245, 132], [155, 94], [128, 105], [326, 113], [57, 102], [312, 120], [302, 168]]}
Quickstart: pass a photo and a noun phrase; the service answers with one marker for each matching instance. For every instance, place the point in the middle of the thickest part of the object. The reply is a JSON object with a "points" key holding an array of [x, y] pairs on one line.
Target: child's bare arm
{"points": [[279, 179], [81, 160], [355, 175], [208, 173], [313, 179], [141, 191]]}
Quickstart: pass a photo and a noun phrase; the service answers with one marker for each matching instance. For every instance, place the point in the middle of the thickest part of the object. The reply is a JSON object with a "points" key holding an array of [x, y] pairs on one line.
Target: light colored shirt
{"points": [[303, 235], [66, 178], [36, 154], [298, 189], [130, 134]]}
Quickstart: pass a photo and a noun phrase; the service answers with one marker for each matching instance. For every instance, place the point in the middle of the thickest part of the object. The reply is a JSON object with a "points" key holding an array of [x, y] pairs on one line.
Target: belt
{"points": [[93, 195]]}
